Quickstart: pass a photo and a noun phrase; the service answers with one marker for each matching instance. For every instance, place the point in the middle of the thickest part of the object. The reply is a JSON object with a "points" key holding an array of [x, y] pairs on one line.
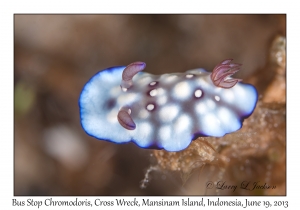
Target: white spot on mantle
{"points": [[182, 90], [198, 93], [168, 113], [150, 107], [153, 92]]}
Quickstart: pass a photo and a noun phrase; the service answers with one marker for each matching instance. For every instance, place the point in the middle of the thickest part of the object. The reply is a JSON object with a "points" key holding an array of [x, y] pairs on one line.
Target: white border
{"points": [[8, 8]]}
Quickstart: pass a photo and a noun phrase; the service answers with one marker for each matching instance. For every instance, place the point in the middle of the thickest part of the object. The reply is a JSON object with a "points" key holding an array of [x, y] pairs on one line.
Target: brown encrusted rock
{"points": [[275, 92]]}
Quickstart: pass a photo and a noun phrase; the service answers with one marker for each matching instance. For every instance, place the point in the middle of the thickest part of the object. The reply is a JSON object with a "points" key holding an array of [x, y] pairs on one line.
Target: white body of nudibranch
{"points": [[164, 111]]}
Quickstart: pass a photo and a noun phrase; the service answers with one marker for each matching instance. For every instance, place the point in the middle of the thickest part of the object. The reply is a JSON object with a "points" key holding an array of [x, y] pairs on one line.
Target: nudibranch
{"points": [[123, 104]]}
